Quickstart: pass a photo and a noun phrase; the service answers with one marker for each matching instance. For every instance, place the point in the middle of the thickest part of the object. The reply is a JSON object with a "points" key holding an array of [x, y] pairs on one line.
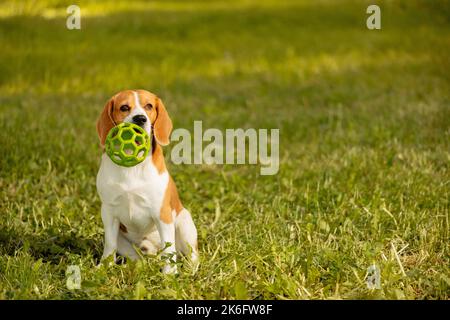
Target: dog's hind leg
{"points": [[186, 235]]}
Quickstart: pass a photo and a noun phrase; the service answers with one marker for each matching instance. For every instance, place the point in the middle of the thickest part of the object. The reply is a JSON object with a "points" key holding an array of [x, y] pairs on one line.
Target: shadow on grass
{"points": [[49, 249]]}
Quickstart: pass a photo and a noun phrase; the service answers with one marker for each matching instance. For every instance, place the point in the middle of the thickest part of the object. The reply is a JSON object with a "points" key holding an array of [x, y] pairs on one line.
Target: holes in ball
{"points": [[117, 157], [140, 154], [139, 140], [129, 149], [116, 145], [114, 132], [127, 134]]}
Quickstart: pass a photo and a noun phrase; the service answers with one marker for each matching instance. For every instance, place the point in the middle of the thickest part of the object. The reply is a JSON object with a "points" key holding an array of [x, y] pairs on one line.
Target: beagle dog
{"points": [[140, 204]]}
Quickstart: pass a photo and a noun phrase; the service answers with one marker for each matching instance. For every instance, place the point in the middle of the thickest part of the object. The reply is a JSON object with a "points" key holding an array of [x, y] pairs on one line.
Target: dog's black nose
{"points": [[140, 119]]}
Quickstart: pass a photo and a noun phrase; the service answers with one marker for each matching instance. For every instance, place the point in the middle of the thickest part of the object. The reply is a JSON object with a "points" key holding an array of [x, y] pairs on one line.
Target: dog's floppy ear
{"points": [[105, 121], [163, 125]]}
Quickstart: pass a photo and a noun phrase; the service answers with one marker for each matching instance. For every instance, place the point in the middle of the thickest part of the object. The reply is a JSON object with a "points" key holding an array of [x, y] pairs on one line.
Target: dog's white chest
{"points": [[134, 194]]}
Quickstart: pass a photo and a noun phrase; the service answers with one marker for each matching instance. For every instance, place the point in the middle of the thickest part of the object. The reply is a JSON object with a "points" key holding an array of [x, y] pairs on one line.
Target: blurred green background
{"points": [[364, 145]]}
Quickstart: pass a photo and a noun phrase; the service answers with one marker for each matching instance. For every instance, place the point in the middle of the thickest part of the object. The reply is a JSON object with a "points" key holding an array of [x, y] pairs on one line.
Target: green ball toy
{"points": [[127, 144]]}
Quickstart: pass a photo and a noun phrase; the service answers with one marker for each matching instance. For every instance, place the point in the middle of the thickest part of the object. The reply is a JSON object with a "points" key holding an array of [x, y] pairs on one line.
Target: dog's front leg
{"points": [[167, 234], [111, 225]]}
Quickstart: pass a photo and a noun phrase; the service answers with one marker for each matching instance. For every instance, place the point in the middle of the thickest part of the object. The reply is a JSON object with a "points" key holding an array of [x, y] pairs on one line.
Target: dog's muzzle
{"points": [[140, 120]]}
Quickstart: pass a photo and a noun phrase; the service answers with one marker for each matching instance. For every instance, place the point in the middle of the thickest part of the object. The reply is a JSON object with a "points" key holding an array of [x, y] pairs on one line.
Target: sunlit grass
{"points": [[53, 9]]}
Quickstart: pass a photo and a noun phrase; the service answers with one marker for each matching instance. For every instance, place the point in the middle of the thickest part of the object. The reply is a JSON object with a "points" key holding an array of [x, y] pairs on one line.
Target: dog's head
{"points": [[139, 107]]}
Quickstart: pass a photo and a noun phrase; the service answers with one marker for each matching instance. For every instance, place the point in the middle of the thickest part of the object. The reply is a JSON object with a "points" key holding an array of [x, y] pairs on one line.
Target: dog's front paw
{"points": [[108, 259], [170, 269]]}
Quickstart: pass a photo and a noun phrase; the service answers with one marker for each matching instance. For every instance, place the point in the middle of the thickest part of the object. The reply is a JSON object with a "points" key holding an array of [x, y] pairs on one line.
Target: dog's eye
{"points": [[125, 108], [148, 106]]}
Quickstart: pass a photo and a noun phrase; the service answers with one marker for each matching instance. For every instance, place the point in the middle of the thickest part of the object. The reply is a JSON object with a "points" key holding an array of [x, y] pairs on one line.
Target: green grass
{"points": [[364, 123]]}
